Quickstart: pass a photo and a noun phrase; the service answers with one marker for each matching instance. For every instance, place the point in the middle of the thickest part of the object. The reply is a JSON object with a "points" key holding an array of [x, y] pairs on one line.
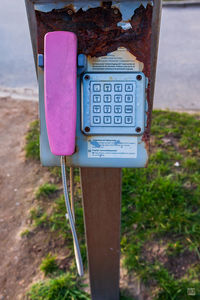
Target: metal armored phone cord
{"points": [[71, 182], [77, 251]]}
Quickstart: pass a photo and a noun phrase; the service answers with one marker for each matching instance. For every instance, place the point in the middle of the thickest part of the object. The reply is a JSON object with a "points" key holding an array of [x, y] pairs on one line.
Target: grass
{"points": [[46, 190], [160, 208], [63, 287], [56, 222], [160, 213], [32, 149], [25, 233], [39, 217], [49, 265]]}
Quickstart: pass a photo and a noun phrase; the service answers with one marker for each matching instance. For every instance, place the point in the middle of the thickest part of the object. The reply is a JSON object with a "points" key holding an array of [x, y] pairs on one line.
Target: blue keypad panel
{"points": [[113, 104], [116, 104]]}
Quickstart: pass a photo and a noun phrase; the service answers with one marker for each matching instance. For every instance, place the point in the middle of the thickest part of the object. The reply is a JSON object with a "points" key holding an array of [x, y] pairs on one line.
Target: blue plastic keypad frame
{"points": [[113, 103]]}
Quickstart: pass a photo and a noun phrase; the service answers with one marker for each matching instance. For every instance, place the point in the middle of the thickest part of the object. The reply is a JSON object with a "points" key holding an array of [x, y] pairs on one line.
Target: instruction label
{"points": [[120, 60], [112, 147]]}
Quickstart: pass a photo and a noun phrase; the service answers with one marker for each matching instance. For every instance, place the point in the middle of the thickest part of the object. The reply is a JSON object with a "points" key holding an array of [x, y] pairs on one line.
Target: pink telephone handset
{"points": [[60, 75]]}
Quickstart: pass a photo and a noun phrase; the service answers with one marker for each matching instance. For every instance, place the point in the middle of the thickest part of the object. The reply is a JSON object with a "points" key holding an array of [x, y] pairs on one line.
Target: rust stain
{"points": [[98, 34]]}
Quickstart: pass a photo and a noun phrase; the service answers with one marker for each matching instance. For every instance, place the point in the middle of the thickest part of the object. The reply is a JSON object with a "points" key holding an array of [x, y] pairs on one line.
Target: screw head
{"points": [[139, 77], [87, 77], [116, 11], [138, 129], [87, 129], [70, 12]]}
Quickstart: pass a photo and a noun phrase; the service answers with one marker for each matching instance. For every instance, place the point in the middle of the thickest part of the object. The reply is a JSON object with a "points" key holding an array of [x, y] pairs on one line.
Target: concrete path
{"points": [[16, 58], [178, 73], [177, 85]]}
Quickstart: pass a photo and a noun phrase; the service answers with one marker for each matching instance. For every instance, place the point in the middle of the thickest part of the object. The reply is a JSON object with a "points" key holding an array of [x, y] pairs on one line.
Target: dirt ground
{"points": [[18, 179]]}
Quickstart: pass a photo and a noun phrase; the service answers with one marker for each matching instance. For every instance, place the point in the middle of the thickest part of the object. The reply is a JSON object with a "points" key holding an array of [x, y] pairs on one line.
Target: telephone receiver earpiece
{"points": [[60, 76]]}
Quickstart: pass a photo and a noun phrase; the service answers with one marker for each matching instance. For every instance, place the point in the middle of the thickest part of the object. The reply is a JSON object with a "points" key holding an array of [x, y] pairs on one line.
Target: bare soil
{"points": [[18, 181]]}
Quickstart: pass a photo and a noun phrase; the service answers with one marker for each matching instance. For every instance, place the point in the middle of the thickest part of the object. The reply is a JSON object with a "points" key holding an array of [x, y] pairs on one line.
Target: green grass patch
{"points": [[63, 287], [160, 208], [39, 217], [49, 265], [32, 148], [59, 224], [25, 233], [46, 190], [55, 220], [56, 173], [124, 295]]}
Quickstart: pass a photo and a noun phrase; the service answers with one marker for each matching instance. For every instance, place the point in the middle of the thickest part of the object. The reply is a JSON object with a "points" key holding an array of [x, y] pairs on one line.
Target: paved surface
{"points": [[178, 73], [16, 59], [177, 85], [181, 3]]}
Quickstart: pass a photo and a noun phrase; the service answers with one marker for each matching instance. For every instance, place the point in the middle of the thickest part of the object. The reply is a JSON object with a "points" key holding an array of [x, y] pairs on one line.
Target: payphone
{"points": [[111, 114], [114, 66], [96, 63]]}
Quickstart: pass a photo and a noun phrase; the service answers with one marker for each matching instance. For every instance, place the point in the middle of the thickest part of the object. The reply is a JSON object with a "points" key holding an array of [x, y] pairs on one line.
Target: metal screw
{"points": [[87, 77], [70, 12], [139, 77], [116, 11], [138, 129], [87, 129]]}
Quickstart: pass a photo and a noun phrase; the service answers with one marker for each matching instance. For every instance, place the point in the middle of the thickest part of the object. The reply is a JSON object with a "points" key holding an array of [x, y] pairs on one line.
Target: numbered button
{"points": [[118, 109], [96, 98], [107, 98], [118, 87], [96, 108], [117, 120], [96, 88], [129, 98], [129, 120], [107, 120], [128, 87], [107, 87], [128, 109], [96, 120], [118, 98], [107, 109]]}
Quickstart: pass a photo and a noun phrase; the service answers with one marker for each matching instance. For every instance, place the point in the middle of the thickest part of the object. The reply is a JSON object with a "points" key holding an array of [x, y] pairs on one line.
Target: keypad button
{"points": [[96, 108], [117, 120], [129, 87], [117, 109], [129, 98], [107, 98], [107, 87], [107, 120], [96, 88], [107, 109], [96, 120], [96, 98], [128, 109], [118, 87], [128, 119], [118, 98]]}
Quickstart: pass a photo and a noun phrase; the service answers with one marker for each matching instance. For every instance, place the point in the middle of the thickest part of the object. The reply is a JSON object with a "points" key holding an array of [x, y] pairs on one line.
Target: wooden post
{"points": [[101, 188]]}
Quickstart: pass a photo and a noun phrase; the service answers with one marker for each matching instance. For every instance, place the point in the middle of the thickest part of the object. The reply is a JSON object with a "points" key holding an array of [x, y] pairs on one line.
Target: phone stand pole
{"points": [[101, 188]]}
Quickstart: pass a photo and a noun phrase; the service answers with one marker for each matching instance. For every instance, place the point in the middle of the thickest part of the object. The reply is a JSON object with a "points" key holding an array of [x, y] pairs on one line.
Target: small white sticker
{"points": [[112, 147]]}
